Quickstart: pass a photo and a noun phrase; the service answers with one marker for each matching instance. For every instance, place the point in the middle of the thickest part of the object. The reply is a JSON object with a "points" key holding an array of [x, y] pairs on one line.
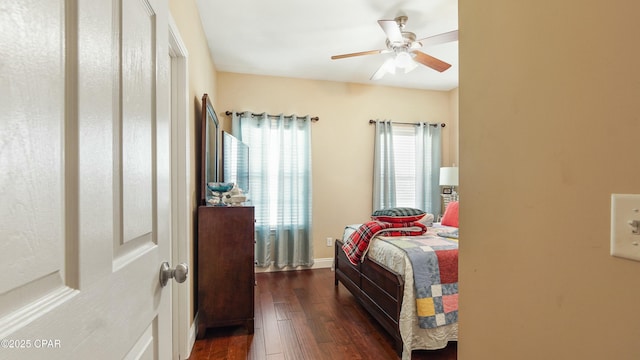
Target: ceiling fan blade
{"points": [[390, 27], [430, 61], [386, 67], [370, 52], [440, 38]]}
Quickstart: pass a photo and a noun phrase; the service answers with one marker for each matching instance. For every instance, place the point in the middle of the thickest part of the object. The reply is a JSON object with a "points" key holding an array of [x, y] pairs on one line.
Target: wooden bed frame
{"points": [[376, 287]]}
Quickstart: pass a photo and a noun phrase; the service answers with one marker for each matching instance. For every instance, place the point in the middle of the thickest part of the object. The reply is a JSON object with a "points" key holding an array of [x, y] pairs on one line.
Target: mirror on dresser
{"points": [[209, 150]]}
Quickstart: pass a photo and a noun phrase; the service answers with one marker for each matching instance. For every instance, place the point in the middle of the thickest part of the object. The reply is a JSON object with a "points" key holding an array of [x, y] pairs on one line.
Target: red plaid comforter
{"points": [[356, 245]]}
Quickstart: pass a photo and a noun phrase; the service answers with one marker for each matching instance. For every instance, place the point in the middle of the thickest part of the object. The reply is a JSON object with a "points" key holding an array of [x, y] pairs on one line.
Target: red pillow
{"points": [[450, 217]]}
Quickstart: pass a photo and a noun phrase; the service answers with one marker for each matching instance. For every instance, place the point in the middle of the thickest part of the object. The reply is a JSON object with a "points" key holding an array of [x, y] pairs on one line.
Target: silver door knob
{"points": [[179, 273]]}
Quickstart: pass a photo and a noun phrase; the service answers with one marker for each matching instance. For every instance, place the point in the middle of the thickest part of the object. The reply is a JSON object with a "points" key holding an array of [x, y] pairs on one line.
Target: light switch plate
{"points": [[625, 209]]}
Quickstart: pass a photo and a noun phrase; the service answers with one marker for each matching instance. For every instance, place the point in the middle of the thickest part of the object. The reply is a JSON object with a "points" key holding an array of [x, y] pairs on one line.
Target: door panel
{"points": [[136, 125], [31, 158], [84, 213], [136, 97]]}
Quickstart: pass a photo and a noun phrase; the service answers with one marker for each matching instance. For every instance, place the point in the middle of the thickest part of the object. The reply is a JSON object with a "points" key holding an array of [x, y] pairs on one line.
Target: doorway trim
{"points": [[184, 334]]}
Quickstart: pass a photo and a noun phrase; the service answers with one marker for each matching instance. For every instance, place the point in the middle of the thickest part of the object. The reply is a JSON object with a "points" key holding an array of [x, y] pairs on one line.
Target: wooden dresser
{"points": [[226, 277]]}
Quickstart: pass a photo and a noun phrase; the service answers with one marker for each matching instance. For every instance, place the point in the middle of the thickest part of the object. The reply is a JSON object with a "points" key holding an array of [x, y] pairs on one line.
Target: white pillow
{"points": [[427, 220]]}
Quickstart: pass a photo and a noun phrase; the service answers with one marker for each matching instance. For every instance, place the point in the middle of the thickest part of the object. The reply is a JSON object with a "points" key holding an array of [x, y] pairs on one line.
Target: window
{"points": [[276, 174], [404, 153]]}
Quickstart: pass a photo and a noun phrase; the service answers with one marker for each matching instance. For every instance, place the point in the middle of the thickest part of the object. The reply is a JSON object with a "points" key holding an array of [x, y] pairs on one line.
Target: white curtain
{"points": [[407, 161], [384, 181], [428, 160], [280, 186]]}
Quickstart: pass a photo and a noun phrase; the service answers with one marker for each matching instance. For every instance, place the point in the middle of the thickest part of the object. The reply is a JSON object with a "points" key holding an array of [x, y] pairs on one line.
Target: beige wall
{"points": [[342, 141], [202, 79], [548, 130]]}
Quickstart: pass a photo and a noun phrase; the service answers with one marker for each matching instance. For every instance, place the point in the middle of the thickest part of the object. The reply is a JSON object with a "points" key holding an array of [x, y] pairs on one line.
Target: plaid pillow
{"points": [[398, 214]]}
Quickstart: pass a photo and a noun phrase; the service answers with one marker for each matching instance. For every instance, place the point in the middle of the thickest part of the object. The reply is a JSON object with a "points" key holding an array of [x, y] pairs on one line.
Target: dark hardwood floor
{"points": [[302, 315]]}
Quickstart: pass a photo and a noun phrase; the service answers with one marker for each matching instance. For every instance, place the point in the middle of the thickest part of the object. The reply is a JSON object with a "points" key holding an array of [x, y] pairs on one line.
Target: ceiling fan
{"points": [[405, 47]]}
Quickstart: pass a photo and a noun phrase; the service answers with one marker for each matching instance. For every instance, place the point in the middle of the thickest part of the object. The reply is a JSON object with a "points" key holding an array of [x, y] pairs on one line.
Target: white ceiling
{"points": [[296, 38]]}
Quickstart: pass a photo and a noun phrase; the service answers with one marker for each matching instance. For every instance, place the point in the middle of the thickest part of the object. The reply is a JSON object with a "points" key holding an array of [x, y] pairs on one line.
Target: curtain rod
{"points": [[314, 119], [406, 123]]}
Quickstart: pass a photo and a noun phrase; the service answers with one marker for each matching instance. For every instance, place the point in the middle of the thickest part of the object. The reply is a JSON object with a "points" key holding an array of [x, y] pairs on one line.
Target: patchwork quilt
{"points": [[356, 245], [435, 271]]}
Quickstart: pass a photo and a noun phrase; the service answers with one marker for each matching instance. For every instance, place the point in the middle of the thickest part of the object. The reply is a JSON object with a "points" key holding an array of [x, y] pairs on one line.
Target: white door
{"points": [[84, 179]]}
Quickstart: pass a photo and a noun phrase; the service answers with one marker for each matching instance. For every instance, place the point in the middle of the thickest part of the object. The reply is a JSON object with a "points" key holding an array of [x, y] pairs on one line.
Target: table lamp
{"points": [[449, 179]]}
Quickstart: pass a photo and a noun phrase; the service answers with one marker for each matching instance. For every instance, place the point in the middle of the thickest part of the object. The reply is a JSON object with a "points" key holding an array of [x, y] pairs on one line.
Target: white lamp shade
{"points": [[448, 176], [403, 60]]}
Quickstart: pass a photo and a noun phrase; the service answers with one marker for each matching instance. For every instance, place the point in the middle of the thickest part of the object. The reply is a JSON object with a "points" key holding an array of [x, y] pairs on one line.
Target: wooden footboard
{"points": [[377, 288]]}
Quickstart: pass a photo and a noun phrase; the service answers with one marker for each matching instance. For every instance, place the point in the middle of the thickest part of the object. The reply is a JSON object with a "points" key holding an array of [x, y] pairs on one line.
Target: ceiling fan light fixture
{"points": [[389, 66], [411, 66], [403, 60]]}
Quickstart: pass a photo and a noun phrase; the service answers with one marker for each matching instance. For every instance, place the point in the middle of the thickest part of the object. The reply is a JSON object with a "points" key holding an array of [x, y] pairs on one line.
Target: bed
{"points": [[383, 283]]}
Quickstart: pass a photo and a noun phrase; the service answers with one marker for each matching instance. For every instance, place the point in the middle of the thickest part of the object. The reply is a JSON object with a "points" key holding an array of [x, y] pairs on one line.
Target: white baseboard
{"points": [[322, 263]]}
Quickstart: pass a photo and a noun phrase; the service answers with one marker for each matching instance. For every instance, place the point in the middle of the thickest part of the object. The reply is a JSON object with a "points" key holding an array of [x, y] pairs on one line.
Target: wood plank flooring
{"points": [[302, 315]]}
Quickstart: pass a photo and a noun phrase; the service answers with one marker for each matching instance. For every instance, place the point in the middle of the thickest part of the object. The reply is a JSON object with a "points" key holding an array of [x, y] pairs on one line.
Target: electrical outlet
{"points": [[329, 241]]}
